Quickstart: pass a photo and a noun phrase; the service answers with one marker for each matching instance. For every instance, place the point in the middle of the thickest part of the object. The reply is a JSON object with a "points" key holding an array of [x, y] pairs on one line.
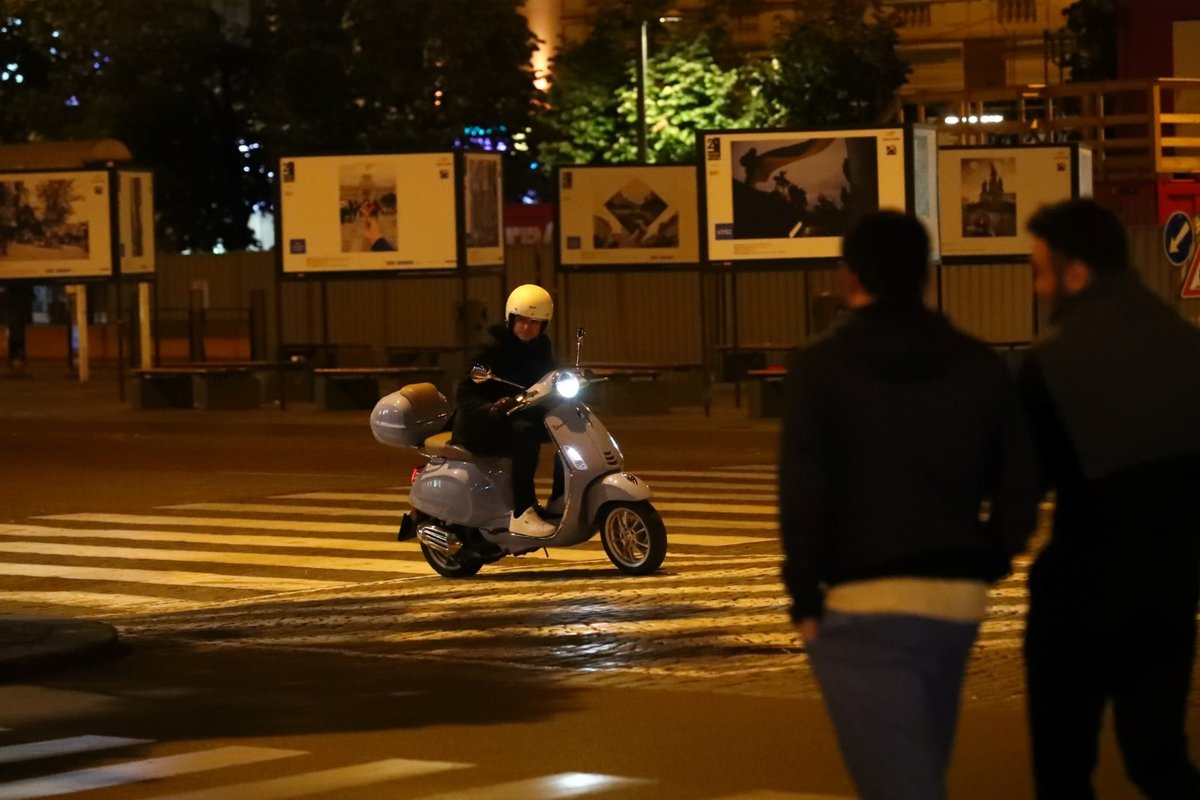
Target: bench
{"points": [[766, 391], [346, 388], [208, 387]]}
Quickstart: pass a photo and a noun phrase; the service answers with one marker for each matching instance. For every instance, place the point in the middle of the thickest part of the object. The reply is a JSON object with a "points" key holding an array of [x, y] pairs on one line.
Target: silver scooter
{"points": [[461, 501]]}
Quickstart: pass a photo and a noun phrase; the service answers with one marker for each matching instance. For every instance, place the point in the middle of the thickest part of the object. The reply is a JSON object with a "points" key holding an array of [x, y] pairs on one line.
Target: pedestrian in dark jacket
{"points": [[518, 352], [1113, 395], [897, 430]]}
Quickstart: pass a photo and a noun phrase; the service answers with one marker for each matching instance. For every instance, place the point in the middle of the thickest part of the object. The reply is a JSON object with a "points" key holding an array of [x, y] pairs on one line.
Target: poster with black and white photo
{"points": [[135, 222], [55, 225], [341, 214], [792, 195], [628, 216], [483, 207], [988, 194]]}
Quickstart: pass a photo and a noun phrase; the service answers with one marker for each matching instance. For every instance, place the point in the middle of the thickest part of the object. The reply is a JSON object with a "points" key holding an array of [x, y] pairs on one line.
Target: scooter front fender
{"points": [[615, 487]]}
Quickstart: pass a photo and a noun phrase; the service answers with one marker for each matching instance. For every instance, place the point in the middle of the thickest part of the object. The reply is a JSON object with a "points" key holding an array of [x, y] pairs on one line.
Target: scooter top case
{"points": [[406, 418]]}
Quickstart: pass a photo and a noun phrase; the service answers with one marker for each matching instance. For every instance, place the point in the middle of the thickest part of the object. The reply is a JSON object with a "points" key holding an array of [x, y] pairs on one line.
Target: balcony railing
{"points": [[1136, 129]]}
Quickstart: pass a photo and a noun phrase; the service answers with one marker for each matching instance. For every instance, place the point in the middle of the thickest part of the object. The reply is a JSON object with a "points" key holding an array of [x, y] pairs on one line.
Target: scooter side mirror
{"points": [[480, 374]]}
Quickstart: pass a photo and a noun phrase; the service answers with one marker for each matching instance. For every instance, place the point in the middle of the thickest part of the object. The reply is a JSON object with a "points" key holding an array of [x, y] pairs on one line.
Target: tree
{"points": [[354, 76], [1093, 26], [837, 64], [592, 116], [159, 77]]}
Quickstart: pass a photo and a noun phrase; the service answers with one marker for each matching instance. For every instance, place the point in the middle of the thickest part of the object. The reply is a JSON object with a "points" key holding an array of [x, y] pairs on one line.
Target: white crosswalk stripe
{"points": [[138, 771], [299, 780]]}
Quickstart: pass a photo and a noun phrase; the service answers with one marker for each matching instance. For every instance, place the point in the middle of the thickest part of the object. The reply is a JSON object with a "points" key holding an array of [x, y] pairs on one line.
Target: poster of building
{"points": [[135, 222], [628, 216], [988, 194], [368, 213], [483, 207], [55, 225], [791, 195]]}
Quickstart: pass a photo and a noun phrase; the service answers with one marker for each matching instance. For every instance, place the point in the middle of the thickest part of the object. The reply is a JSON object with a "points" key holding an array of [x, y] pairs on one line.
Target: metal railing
{"points": [[1137, 129]]}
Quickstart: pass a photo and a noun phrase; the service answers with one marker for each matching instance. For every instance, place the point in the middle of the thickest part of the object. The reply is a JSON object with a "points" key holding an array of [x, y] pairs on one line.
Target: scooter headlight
{"points": [[567, 385]]}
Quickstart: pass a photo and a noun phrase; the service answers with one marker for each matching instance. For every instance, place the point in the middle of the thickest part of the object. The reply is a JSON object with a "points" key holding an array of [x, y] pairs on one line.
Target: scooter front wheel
{"points": [[449, 567], [634, 537]]}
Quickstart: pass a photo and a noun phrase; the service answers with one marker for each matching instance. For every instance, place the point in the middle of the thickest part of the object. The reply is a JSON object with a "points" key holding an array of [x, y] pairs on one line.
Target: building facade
{"points": [[952, 44]]}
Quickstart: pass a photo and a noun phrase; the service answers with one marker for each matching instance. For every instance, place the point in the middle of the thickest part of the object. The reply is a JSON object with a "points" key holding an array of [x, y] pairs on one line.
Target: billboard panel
{"points": [[368, 213], [791, 195], [634, 215], [55, 225]]}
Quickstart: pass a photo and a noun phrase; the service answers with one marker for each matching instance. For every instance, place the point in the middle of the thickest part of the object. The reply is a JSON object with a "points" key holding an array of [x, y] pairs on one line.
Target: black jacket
{"points": [[897, 427], [508, 358], [1113, 395]]}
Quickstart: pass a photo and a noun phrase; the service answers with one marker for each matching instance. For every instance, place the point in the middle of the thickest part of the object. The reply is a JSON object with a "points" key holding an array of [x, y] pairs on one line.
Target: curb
{"points": [[34, 645]]}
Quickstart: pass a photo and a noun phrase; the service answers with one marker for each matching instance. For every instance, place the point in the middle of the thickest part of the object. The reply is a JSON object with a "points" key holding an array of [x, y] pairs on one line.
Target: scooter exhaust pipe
{"points": [[439, 539]]}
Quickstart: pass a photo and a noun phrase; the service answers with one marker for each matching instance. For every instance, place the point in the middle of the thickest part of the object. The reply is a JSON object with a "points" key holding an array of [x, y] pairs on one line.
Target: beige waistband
{"points": [[953, 600]]}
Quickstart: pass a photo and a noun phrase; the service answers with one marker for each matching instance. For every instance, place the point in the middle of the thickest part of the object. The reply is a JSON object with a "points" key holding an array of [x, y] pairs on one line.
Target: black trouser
{"points": [[1121, 629], [519, 436]]}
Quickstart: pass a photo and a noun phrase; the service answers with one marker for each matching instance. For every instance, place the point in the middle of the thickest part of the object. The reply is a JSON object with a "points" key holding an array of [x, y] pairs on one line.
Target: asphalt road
{"points": [[310, 658]]}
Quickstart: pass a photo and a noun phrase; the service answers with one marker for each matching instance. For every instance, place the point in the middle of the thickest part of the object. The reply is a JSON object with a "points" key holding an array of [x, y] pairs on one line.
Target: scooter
{"points": [[461, 501]]}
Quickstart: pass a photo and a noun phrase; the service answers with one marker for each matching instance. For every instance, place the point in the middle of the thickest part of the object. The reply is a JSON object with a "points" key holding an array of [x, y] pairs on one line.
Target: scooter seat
{"points": [[439, 446]]}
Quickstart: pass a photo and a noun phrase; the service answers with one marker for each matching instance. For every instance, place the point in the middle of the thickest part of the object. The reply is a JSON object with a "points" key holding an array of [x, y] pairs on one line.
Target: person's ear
{"points": [[1075, 277]]}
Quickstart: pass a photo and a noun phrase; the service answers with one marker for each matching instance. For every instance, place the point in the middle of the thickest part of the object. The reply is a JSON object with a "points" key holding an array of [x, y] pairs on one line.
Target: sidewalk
{"points": [[47, 394]]}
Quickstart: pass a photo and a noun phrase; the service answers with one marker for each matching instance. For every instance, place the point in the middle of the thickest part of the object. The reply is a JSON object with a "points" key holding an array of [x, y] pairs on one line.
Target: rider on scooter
{"points": [[518, 351]]}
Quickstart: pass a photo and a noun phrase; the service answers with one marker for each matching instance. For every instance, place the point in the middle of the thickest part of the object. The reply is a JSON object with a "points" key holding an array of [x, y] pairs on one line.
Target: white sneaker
{"points": [[556, 506], [530, 524]]}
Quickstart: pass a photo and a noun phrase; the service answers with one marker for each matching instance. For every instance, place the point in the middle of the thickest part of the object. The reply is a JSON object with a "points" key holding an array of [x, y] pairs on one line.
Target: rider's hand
{"points": [[503, 406]]}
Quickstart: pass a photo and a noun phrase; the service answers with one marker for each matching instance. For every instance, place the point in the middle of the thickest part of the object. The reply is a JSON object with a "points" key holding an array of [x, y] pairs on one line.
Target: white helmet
{"points": [[531, 301]]}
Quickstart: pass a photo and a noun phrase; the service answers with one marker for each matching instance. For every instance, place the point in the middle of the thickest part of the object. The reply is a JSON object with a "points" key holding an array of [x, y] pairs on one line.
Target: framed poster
{"points": [[791, 195], [368, 213], [55, 225], [483, 209], [621, 216], [135, 222], [924, 192], [988, 194]]}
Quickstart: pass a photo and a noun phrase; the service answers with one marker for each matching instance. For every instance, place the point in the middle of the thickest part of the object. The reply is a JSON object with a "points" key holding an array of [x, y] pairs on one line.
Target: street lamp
{"points": [[644, 57]]}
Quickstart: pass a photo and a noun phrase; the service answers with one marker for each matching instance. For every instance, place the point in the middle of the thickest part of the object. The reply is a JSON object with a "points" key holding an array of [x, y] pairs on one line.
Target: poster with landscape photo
{"points": [[988, 195], [55, 225], [483, 207], [628, 216], [341, 214]]}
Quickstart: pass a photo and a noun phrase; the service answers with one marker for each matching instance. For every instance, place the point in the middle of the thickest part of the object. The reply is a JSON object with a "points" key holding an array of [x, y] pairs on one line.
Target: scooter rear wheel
{"points": [[449, 567], [634, 537]]}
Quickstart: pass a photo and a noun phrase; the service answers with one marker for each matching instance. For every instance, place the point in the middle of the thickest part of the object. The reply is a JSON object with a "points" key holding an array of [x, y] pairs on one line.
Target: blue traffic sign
{"points": [[1179, 238]]}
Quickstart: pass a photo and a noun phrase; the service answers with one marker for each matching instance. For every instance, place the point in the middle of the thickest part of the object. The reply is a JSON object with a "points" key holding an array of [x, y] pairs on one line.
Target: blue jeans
{"points": [[892, 684]]}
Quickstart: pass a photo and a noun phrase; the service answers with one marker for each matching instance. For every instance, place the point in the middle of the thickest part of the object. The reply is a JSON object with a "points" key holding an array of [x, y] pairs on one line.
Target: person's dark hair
{"points": [[1083, 230], [889, 253]]}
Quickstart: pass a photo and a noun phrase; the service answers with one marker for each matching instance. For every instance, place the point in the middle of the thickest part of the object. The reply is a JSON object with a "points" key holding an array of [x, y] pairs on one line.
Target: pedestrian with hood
{"points": [[898, 431], [518, 351], [1113, 396]]}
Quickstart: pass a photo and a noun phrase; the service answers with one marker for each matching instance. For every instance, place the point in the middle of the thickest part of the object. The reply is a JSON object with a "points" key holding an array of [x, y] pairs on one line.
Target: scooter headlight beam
{"points": [[567, 385]]}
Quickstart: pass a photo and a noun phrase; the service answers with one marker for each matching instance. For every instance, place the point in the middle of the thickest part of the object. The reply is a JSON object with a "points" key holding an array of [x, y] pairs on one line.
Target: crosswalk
{"points": [[716, 612], [194, 554], [290, 773]]}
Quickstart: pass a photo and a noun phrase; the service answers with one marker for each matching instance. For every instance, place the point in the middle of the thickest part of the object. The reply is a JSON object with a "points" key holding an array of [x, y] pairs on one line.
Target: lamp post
{"points": [[643, 59]]}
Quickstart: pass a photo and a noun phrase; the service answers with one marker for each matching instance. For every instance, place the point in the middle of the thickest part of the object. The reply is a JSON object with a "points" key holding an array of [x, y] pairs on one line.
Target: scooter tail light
{"points": [[413, 478]]}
